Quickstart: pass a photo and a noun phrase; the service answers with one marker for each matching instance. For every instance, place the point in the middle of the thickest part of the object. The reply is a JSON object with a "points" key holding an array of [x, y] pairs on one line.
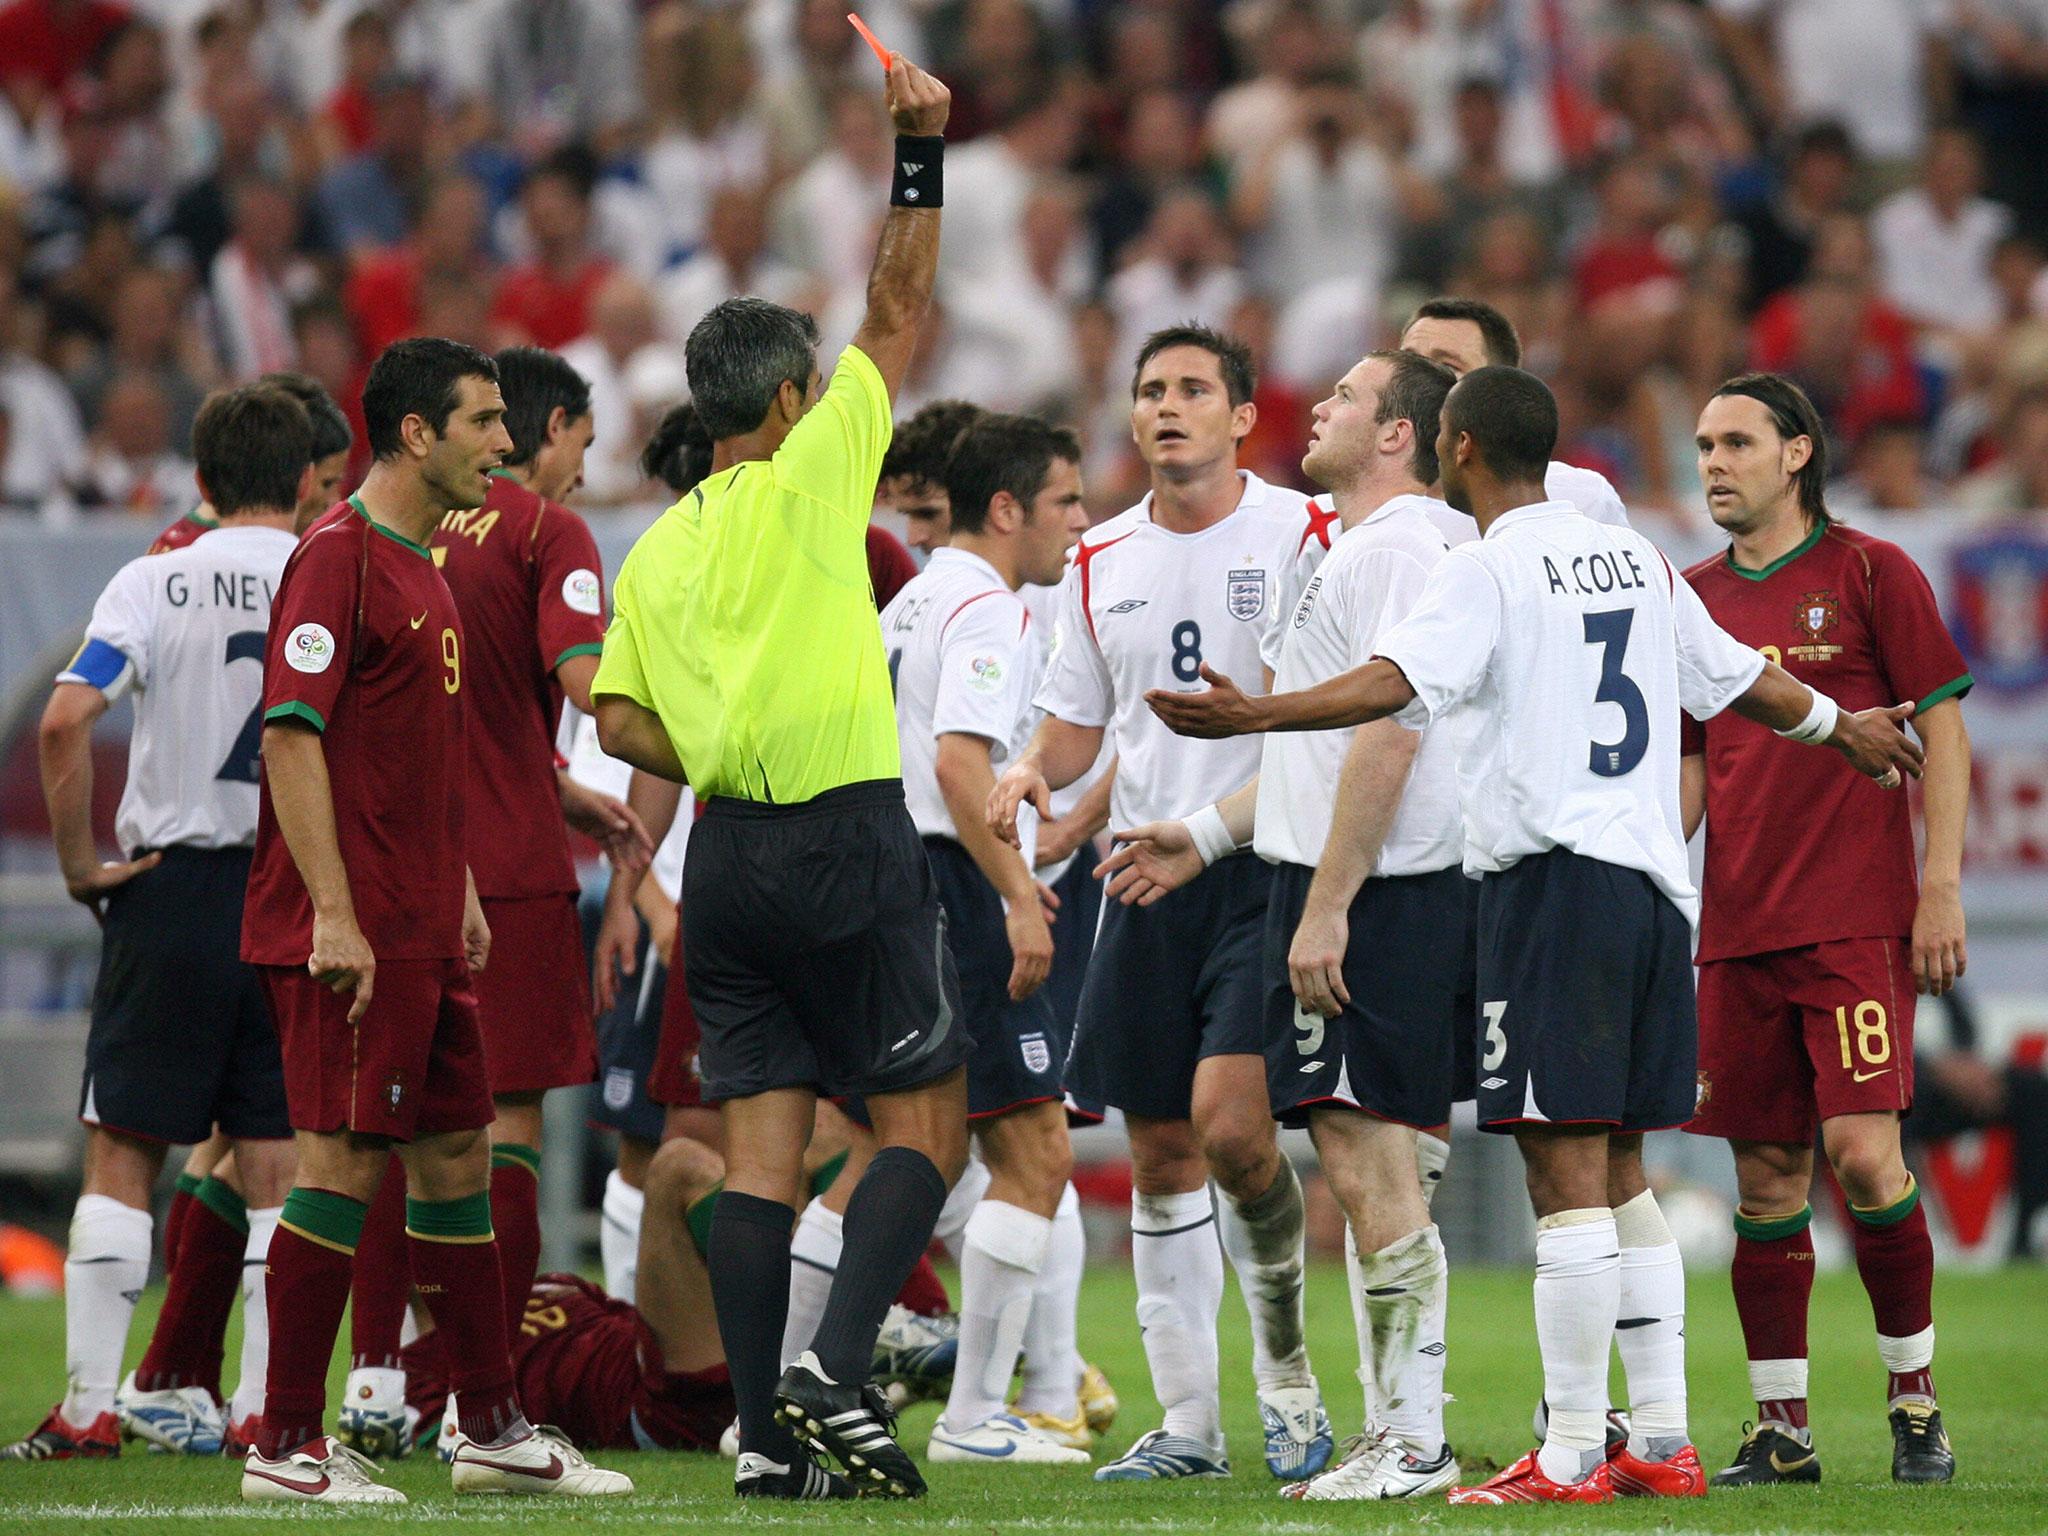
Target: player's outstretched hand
{"points": [[617, 949], [1940, 953], [1876, 744], [476, 933], [1315, 961], [1222, 709], [1150, 861], [609, 821], [1030, 948], [92, 888], [918, 102], [1021, 781], [341, 961]]}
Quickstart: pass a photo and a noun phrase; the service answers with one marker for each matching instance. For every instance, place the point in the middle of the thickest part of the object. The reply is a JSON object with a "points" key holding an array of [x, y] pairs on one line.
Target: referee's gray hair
{"points": [[738, 356]]}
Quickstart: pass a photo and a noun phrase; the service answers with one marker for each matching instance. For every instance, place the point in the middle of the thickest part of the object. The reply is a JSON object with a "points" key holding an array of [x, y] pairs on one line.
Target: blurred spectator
{"points": [[1625, 255], [1273, 448], [545, 302], [734, 261], [51, 41], [550, 72], [149, 340], [1885, 475], [704, 134], [828, 218], [1185, 273], [130, 465], [135, 168], [623, 329], [989, 182], [244, 144], [45, 442], [384, 292], [818, 54], [1477, 186], [1817, 181], [1162, 149], [2018, 482], [369, 200], [1003, 55], [256, 279], [1935, 241], [1290, 43], [2001, 49], [346, 125], [1031, 314]]}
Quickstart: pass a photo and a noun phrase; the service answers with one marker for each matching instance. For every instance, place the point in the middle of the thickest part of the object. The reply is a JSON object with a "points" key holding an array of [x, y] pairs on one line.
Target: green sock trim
{"points": [[511, 1154], [828, 1172], [450, 1221], [325, 1217], [188, 1182], [698, 1219], [1890, 1215], [224, 1203], [1775, 1228]]}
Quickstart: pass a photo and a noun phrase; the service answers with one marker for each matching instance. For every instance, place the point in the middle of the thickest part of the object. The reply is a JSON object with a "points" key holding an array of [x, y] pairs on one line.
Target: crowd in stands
{"points": [[1658, 192]]}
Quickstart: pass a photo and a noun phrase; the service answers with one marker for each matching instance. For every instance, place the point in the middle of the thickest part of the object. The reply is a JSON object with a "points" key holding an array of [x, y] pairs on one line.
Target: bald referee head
{"points": [[745, 658]]}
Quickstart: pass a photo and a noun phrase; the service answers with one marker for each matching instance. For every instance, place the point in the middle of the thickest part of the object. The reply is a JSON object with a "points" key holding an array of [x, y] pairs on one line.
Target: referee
{"points": [[745, 659]]}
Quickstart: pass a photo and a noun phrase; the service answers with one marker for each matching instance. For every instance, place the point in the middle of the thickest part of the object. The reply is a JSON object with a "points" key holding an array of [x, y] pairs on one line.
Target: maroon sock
{"points": [[383, 1280], [515, 1218], [185, 1347], [1895, 1257], [460, 1283], [308, 1269], [924, 1292], [1772, 1276], [174, 1225]]}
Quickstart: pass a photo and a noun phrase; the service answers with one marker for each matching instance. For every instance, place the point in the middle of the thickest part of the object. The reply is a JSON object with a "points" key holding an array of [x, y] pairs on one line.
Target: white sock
{"points": [[1180, 1290], [248, 1398], [813, 1260], [1361, 1326], [1263, 1237], [1578, 1296], [618, 1235], [951, 1227], [1650, 1330], [1052, 1360], [1005, 1251], [104, 1272], [1406, 1284], [1431, 1156]]}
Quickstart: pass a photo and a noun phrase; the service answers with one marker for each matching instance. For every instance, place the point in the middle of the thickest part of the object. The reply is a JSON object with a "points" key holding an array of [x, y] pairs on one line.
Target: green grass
{"points": [[1992, 1365]]}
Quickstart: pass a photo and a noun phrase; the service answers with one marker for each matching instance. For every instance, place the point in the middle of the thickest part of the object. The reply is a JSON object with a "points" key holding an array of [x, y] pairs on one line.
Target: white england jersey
{"points": [[1373, 577], [1044, 603], [964, 660], [1564, 650], [185, 631], [1144, 608]]}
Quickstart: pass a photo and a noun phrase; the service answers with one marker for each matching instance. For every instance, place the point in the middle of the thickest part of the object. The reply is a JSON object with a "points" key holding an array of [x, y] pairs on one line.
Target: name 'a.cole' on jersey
{"points": [[185, 631], [1142, 608]]}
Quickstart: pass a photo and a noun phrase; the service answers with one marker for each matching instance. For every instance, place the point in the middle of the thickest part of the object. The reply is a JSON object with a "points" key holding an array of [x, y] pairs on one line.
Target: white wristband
{"points": [[1212, 838], [1819, 723]]}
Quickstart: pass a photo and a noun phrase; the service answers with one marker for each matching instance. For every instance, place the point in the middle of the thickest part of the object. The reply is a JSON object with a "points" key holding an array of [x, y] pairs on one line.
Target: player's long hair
{"points": [[1793, 414], [679, 452]]}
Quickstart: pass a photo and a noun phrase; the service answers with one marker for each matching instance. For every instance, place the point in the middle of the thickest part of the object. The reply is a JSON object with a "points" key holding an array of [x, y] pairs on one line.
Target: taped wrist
{"points": [[919, 179], [1211, 836], [1819, 723]]}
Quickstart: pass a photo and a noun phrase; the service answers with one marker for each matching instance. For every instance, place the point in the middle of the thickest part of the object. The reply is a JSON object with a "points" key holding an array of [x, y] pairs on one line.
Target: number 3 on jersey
{"points": [[1612, 759]]}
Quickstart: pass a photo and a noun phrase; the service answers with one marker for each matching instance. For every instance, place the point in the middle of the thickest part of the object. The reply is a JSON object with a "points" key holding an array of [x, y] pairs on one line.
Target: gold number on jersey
{"points": [[1773, 655], [451, 658], [542, 1314], [1873, 1039]]}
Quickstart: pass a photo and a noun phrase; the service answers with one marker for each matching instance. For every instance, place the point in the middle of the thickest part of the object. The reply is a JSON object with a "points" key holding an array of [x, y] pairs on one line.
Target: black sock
{"points": [[888, 1224], [749, 1265]]}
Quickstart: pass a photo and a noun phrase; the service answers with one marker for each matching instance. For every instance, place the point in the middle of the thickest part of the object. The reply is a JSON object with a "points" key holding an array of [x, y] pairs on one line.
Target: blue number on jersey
{"points": [[1187, 650], [240, 765], [1609, 631], [895, 666]]}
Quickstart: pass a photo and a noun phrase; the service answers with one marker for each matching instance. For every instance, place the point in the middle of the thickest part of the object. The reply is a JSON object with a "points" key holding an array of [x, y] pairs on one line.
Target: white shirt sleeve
{"points": [[1714, 668], [1445, 644], [1398, 581], [984, 674], [1077, 686], [115, 656]]}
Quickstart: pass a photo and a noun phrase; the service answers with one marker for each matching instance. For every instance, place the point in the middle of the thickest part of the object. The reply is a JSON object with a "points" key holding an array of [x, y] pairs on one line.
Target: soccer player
{"points": [[914, 472], [965, 665], [179, 1042], [744, 659], [1169, 1019], [1560, 650], [332, 440], [1363, 829], [1813, 939], [529, 585], [366, 926]]}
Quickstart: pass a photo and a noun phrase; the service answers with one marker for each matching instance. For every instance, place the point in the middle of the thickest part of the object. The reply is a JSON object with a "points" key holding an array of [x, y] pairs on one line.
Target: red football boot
{"points": [[56, 1440], [1681, 1477], [1524, 1483]]}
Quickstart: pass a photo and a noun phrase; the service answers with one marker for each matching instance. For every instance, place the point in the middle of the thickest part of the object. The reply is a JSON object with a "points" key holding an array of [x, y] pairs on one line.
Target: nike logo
{"points": [[1007, 1450], [550, 1473], [311, 1490], [1785, 1468], [416, 623], [1864, 1077]]}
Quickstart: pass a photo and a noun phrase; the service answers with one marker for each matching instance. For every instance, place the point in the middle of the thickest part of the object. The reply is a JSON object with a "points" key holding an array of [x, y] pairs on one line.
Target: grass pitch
{"points": [[1991, 1365]]}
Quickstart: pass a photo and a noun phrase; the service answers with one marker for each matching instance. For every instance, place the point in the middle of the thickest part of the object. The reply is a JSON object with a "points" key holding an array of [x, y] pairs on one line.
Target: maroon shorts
{"points": [[411, 1066], [1798, 1036], [673, 1080], [534, 996]]}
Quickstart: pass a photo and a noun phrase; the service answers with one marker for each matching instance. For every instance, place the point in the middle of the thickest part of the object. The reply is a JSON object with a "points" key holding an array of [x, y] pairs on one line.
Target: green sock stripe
{"points": [[827, 1173], [188, 1182], [321, 1213], [1890, 1215], [446, 1220], [1777, 1227], [698, 1219], [511, 1154], [224, 1203]]}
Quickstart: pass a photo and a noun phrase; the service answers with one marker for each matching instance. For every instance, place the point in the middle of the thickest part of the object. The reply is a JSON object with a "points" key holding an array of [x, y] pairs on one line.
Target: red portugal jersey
{"points": [[366, 648], [589, 1364], [890, 565], [182, 532], [527, 579], [1801, 848]]}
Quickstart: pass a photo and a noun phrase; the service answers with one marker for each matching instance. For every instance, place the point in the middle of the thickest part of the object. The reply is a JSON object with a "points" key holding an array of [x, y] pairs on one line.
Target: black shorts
{"points": [[181, 1038], [1389, 1052], [1464, 1042], [1073, 941], [1170, 984], [626, 1038], [1018, 1054], [1585, 998], [815, 948]]}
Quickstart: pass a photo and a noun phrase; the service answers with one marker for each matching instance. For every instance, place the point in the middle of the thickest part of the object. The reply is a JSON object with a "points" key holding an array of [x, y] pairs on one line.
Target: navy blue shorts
{"points": [[1018, 1053], [1464, 1043], [626, 1041], [1073, 941], [1389, 1052], [1170, 984], [181, 1037], [1585, 998]]}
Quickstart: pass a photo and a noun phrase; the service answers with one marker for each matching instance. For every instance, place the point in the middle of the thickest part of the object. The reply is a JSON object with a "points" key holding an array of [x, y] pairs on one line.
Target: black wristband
{"points": [[920, 179]]}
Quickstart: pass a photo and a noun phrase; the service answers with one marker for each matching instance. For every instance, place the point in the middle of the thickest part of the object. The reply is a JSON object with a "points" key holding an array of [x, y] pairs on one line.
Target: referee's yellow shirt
{"points": [[744, 617]]}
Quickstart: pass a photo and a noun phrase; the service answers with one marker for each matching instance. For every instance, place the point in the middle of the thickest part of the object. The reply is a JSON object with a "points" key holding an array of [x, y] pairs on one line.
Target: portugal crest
{"points": [[1819, 612], [1246, 595]]}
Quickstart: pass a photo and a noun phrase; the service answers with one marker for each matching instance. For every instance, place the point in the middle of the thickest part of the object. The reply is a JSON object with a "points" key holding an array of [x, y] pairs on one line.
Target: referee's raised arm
{"points": [[907, 257]]}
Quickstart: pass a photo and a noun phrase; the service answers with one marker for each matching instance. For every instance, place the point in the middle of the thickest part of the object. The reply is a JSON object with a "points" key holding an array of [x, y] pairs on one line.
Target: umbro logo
{"points": [[1129, 605], [1432, 1349], [1495, 1082]]}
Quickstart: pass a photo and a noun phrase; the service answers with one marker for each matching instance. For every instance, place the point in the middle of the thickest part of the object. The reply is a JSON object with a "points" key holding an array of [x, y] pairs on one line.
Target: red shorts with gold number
{"points": [[673, 1080], [1798, 1036], [534, 996], [412, 1065]]}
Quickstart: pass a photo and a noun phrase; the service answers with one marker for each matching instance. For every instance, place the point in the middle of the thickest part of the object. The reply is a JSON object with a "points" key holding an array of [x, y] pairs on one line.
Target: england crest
{"points": [[1037, 1054], [1246, 595]]}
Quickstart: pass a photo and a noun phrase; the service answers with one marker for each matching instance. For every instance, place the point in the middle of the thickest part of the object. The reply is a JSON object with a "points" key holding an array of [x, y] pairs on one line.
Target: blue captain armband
{"points": [[97, 665]]}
